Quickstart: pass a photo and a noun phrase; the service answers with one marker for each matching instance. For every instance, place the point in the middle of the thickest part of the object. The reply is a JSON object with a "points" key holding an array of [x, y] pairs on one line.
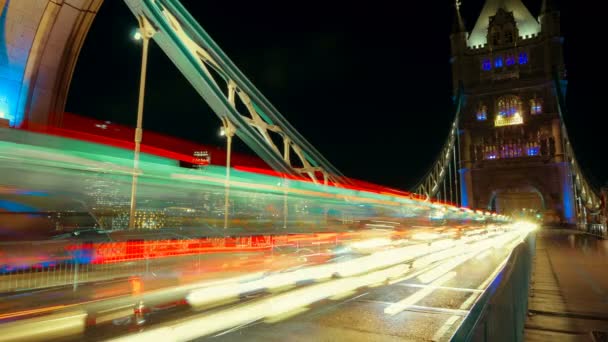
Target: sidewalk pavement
{"points": [[568, 298]]}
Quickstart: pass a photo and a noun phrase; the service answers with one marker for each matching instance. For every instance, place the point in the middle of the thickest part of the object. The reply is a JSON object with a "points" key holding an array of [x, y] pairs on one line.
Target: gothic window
{"points": [[482, 113], [523, 58], [533, 151], [496, 38], [536, 106], [508, 37], [510, 60], [486, 64], [498, 62], [509, 111]]}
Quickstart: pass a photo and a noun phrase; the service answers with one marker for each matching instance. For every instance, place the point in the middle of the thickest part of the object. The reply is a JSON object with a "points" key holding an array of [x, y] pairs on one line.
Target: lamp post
{"points": [[144, 34], [228, 131]]}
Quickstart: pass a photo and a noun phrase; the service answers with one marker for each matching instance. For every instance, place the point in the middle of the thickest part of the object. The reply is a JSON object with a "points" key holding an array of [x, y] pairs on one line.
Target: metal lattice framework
{"points": [[441, 181], [243, 110]]}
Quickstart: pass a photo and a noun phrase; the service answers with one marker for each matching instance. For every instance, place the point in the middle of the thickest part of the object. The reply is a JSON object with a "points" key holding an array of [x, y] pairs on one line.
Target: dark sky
{"points": [[367, 83]]}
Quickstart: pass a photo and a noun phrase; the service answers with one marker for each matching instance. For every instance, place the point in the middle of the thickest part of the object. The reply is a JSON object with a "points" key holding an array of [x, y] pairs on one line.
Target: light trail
{"points": [[277, 307]]}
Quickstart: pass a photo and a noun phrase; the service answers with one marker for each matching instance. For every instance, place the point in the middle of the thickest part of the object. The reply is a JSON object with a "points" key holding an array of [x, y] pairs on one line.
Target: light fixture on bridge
{"points": [[137, 35], [222, 131]]}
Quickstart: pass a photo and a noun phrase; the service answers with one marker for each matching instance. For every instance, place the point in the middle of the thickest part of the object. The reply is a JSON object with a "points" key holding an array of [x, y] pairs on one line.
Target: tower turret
{"points": [[550, 19]]}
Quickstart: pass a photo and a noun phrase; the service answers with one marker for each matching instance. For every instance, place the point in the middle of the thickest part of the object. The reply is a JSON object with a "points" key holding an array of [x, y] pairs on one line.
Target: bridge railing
{"points": [[500, 313], [597, 229]]}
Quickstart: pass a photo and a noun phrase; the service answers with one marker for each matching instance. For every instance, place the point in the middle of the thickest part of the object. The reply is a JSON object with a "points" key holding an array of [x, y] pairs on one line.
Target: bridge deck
{"points": [[569, 291]]}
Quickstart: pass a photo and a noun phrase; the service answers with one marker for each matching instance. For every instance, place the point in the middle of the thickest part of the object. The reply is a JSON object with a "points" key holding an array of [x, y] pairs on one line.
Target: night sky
{"points": [[367, 83]]}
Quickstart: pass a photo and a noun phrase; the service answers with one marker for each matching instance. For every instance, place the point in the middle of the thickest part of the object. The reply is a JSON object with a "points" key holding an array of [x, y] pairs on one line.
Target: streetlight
{"points": [[144, 33], [228, 131]]}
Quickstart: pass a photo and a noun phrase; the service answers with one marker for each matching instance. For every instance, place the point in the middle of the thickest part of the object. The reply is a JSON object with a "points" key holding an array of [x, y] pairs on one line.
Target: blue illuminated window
{"points": [[533, 151], [510, 60], [498, 62], [535, 106], [482, 113], [486, 64], [523, 58]]}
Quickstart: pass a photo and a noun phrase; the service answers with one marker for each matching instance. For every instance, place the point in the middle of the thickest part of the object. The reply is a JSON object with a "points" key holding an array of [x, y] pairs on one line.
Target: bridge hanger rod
{"points": [[230, 94]]}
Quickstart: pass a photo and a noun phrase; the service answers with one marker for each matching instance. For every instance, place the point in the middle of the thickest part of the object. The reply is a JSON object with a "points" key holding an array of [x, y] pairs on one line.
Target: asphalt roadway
{"points": [[411, 307]]}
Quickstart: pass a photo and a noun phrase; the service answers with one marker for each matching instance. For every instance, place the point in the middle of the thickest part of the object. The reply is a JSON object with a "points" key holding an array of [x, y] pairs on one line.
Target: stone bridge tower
{"points": [[512, 158]]}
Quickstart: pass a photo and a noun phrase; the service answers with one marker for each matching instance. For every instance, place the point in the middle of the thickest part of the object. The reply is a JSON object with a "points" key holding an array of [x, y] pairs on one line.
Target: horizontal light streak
{"points": [[275, 307]]}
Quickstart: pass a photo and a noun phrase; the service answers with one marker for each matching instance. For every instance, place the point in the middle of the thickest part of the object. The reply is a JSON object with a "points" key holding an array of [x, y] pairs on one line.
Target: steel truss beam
{"points": [[230, 94], [433, 182]]}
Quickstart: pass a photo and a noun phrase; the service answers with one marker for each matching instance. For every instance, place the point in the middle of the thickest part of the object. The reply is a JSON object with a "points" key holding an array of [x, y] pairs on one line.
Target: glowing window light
{"points": [[510, 60], [533, 151], [515, 119], [523, 58], [535, 107], [509, 112], [498, 62], [482, 113], [486, 65]]}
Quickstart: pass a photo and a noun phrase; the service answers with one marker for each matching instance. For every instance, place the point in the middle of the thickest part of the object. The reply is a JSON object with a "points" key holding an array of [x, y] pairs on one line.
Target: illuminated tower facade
{"points": [[511, 149]]}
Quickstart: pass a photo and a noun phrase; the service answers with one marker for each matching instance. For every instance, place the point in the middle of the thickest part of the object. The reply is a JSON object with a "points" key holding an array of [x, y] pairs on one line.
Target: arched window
{"points": [[510, 60], [482, 112], [523, 58], [498, 62], [496, 37], [536, 106], [486, 64], [509, 111], [508, 37]]}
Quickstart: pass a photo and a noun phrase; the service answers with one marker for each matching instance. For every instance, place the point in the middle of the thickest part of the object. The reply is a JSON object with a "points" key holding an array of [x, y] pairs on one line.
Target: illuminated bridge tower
{"points": [[511, 144]]}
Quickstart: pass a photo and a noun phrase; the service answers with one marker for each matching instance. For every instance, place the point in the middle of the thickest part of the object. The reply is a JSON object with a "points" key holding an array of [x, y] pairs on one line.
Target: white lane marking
{"points": [[469, 302], [459, 289]]}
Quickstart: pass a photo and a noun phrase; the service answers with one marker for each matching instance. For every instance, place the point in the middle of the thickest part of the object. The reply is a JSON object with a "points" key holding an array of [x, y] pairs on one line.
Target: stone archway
{"points": [[40, 41], [519, 201]]}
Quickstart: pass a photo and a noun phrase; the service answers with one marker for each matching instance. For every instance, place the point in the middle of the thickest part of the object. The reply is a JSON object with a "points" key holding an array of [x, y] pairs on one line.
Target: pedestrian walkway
{"points": [[569, 291]]}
